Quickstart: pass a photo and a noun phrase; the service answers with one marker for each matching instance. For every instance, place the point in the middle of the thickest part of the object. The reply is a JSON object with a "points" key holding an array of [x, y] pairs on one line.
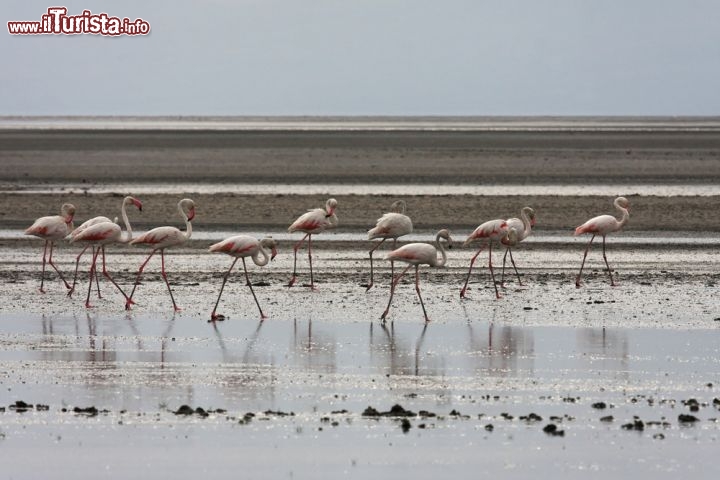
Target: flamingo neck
{"points": [[527, 225], [261, 262], [128, 228], [333, 220], [443, 260], [188, 224], [625, 215]]}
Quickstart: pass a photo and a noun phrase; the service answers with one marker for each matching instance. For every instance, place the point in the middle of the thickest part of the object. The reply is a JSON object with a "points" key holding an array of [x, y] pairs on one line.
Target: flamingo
{"points": [[89, 223], [161, 238], [418, 254], [312, 222], [393, 225], [100, 234], [602, 225], [523, 227], [241, 246], [51, 229], [488, 233]]}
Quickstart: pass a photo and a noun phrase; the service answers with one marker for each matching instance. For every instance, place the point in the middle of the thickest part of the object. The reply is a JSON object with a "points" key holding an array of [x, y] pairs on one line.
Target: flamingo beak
{"points": [[532, 222], [330, 213], [191, 214], [138, 204], [273, 254]]}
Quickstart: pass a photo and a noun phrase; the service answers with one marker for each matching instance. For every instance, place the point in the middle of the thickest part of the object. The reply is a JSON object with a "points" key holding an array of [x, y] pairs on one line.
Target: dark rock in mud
{"points": [[716, 402], [184, 410], [278, 413], [636, 424], [426, 414], [599, 405], [552, 430], [607, 418], [42, 408], [489, 427], [399, 411], [405, 425], [201, 412], [89, 411], [20, 406], [532, 417], [506, 416], [339, 412], [370, 412], [682, 418], [659, 436]]}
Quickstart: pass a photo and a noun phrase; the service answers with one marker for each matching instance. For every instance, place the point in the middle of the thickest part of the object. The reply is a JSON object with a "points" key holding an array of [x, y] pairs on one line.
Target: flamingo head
{"points": [[444, 233], [398, 207], [531, 215], [189, 206], [330, 207], [269, 242], [622, 202], [134, 201], [67, 211]]}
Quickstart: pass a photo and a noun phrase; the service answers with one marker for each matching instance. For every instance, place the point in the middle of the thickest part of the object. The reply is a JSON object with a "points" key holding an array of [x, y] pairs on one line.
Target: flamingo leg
{"points": [[129, 301], [612, 283], [371, 263], [42, 275], [502, 276], [587, 249], [77, 265], [417, 289], [392, 262], [472, 262], [312, 282], [249, 284], [492, 273], [67, 285], [295, 249], [107, 275], [90, 278], [97, 278], [393, 284], [164, 275], [213, 315], [514, 267]]}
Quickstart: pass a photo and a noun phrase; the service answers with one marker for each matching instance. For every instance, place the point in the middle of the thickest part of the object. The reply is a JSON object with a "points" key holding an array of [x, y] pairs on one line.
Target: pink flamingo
{"points": [[393, 225], [418, 254], [51, 229], [241, 246], [523, 227], [602, 225], [161, 238], [89, 223], [101, 234], [312, 222], [488, 233]]}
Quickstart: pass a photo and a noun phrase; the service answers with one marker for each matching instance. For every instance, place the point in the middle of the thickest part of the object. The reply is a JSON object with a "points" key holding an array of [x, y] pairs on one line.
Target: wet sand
{"points": [[493, 373]]}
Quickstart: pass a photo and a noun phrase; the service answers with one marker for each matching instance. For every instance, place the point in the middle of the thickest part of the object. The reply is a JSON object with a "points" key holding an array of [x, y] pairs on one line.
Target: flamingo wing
{"points": [[105, 231], [160, 236], [602, 225], [239, 245]]}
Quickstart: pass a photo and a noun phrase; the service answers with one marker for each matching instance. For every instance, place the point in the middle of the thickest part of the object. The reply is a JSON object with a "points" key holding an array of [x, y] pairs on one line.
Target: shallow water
{"points": [[663, 190]]}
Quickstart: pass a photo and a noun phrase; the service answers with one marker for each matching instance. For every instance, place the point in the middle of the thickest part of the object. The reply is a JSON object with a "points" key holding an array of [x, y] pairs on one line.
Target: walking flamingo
{"points": [[488, 233], [241, 246], [51, 229], [89, 223], [161, 238], [416, 254], [312, 222], [393, 225], [100, 234], [523, 227], [602, 225]]}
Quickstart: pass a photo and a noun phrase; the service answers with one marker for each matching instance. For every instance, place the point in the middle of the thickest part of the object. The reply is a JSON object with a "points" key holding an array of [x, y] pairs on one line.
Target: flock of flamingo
{"points": [[99, 232]]}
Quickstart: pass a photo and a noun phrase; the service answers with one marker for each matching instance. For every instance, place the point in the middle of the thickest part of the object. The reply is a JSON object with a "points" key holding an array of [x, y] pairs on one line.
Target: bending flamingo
{"points": [[418, 254], [393, 225], [488, 233], [51, 229], [602, 225], [312, 222], [241, 246], [89, 223], [101, 234], [161, 238], [523, 227]]}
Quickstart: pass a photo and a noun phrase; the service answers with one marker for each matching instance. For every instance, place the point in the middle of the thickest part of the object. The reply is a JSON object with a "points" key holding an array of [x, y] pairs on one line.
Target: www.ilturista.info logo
{"points": [[58, 22]]}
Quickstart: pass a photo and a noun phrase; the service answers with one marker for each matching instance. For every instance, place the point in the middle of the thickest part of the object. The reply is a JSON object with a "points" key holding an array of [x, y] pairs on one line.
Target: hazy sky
{"points": [[371, 57]]}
